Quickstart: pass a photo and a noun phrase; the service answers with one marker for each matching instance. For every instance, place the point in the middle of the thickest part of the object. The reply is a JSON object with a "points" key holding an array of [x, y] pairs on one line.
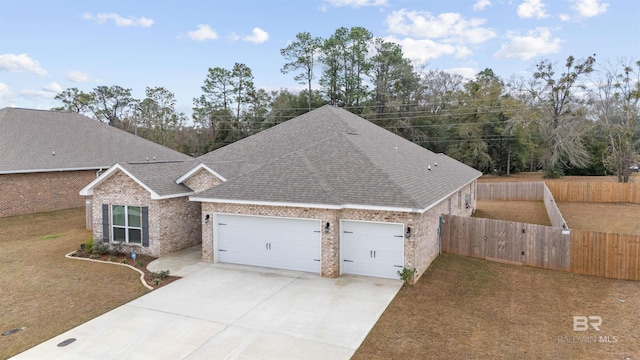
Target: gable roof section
{"points": [[334, 159], [158, 178], [29, 139], [195, 170]]}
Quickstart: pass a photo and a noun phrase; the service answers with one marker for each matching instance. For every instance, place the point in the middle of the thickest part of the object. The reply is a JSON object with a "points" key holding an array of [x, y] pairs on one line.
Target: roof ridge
{"points": [[384, 173], [321, 181]]}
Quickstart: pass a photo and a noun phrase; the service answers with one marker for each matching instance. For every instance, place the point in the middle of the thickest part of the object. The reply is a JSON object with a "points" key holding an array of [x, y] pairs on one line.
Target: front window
{"points": [[127, 226]]}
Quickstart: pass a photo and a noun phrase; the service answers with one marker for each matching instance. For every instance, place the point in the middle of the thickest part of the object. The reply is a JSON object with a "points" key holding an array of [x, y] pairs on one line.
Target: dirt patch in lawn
{"points": [[464, 308], [46, 293], [530, 212]]}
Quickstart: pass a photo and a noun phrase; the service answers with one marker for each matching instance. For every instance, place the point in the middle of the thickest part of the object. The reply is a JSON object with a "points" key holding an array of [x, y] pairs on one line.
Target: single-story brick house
{"points": [[327, 192], [46, 157]]}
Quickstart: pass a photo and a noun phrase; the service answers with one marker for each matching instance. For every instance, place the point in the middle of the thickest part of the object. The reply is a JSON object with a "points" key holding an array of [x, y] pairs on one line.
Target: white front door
{"points": [[372, 248], [284, 243]]}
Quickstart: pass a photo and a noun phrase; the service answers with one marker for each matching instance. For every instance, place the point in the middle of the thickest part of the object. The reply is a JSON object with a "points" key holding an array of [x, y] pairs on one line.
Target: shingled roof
{"points": [[332, 158], [42, 141]]}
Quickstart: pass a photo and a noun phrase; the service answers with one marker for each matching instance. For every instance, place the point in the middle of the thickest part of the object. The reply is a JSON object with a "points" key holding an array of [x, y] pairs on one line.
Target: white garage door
{"points": [[372, 249], [283, 243]]}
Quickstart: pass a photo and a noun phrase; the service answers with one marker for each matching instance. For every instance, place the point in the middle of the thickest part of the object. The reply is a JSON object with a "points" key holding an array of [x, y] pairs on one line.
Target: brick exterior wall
{"points": [[174, 224], [420, 249], [38, 192], [202, 180]]}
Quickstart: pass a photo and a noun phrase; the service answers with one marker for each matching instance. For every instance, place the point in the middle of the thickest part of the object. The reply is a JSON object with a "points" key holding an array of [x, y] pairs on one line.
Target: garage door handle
{"points": [[316, 259], [348, 232], [347, 260], [397, 266], [222, 250], [374, 253], [370, 253]]}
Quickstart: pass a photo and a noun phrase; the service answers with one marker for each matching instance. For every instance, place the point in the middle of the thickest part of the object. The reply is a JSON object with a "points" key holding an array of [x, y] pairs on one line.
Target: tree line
{"points": [[569, 118]]}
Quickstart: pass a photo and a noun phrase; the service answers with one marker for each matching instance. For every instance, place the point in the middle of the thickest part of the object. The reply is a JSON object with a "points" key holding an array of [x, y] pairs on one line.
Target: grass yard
{"points": [[530, 212], [604, 217], [465, 308], [46, 292]]}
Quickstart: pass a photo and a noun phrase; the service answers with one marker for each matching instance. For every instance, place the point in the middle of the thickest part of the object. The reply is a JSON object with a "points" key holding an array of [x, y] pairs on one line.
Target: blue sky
{"points": [[47, 46]]}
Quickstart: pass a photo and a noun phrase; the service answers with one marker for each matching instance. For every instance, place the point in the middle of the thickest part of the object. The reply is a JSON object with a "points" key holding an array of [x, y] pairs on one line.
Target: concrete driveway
{"points": [[225, 311]]}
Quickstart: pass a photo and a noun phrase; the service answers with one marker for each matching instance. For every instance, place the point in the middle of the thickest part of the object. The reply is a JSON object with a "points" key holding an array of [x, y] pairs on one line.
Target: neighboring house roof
{"points": [[158, 178], [30, 138], [332, 158]]}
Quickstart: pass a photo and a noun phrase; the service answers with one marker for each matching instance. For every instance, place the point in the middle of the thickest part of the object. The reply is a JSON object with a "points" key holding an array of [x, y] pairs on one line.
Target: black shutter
{"points": [[145, 226], [105, 223]]}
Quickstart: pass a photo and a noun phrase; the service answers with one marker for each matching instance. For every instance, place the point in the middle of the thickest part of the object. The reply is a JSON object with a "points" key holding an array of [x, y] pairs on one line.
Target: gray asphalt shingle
{"points": [[330, 156], [29, 138]]}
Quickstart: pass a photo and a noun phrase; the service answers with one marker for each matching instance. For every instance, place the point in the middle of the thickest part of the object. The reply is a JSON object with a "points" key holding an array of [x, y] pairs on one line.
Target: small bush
{"points": [[407, 275], [100, 248], [94, 256], [156, 282], [88, 245], [123, 261], [140, 263], [162, 274], [111, 258]]}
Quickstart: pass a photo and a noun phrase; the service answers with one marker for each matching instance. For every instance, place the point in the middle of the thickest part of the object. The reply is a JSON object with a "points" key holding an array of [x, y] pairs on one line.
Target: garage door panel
{"points": [[284, 243], [372, 249]]}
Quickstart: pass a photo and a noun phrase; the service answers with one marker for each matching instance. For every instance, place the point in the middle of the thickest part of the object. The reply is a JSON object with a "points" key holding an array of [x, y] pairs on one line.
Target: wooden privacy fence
{"points": [[505, 241], [525, 191], [610, 192], [553, 211], [609, 255]]}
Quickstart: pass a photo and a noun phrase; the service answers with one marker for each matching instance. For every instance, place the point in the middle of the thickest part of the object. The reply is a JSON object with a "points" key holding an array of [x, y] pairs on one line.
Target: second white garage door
{"points": [[372, 248], [284, 243]]}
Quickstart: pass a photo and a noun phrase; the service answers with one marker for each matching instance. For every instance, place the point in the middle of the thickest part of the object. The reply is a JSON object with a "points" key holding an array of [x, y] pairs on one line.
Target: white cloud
{"points": [[77, 76], [203, 33], [20, 63], [534, 43], [47, 91], [590, 8], [565, 17], [4, 91], [424, 50], [449, 27], [119, 20], [258, 36], [356, 3], [481, 5], [532, 9], [466, 72]]}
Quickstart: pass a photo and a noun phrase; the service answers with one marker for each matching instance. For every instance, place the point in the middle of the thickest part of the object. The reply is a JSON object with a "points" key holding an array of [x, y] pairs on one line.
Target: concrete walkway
{"points": [[226, 311]]}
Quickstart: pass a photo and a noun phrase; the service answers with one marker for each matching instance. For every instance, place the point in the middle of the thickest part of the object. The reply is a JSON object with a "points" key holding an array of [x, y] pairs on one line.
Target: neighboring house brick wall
{"points": [[202, 180], [38, 192], [420, 249], [174, 224]]}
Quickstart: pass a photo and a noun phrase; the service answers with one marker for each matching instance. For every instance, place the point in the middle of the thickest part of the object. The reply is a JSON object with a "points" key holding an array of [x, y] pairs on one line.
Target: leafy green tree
{"points": [[112, 104], [302, 55], [74, 100], [158, 116], [242, 87], [345, 56]]}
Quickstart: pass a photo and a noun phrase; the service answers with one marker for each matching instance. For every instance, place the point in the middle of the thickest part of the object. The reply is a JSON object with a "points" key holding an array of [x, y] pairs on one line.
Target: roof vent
{"points": [[53, 153], [429, 167], [352, 132], [435, 164], [395, 148]]}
